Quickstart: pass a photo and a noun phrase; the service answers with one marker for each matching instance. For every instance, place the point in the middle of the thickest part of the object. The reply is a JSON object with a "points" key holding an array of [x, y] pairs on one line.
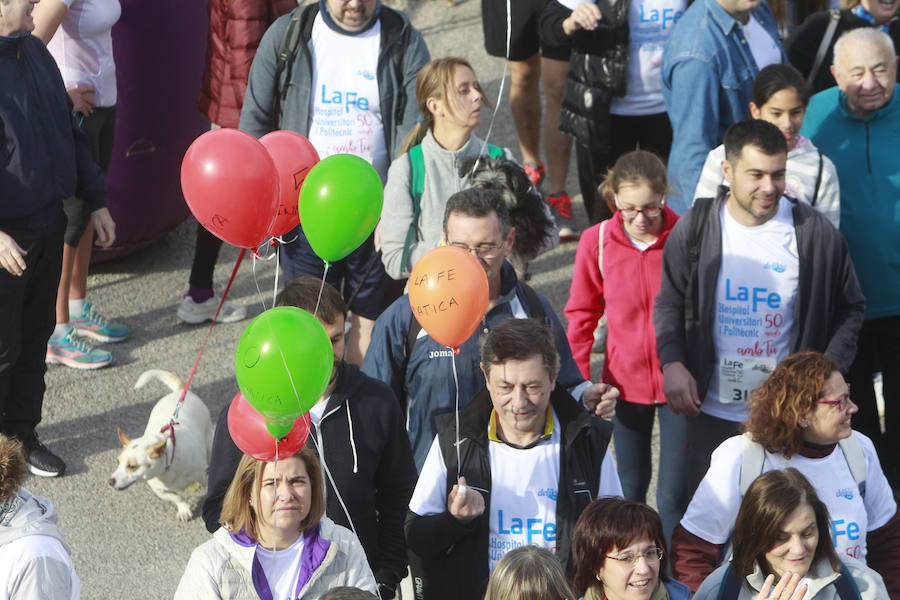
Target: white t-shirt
{"points": [[764, 49], [524, 485], [318, 410], [755, 295], [345, 108], [282, 569], [714, 507], [82, 47], [650, 23]]}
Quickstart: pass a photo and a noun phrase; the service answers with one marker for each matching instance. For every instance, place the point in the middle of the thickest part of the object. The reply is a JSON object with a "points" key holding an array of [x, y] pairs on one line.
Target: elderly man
{"points": [[417, 367], [44, 158], [348, 83], [517, 467], [857, 125]]}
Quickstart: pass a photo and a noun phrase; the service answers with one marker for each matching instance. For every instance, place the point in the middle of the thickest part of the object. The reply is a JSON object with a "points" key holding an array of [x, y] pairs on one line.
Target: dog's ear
{"points": [[156, 450], [123, 437]]}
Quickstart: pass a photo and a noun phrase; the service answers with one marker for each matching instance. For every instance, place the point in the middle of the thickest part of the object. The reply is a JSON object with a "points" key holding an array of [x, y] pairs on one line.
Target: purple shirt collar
{"points": [[314, 550]]}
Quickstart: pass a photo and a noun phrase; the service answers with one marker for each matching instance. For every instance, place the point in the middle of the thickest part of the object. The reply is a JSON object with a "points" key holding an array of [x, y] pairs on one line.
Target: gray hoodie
{"points": [[34, 558]]}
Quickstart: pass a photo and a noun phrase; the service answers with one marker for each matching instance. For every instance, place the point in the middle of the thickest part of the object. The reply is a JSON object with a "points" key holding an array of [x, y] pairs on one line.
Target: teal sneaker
{"points": [[73, 351], [92, 324]]}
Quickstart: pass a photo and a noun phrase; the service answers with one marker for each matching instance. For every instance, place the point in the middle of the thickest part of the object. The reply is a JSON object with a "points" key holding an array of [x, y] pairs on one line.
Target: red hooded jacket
{"points": [[625, 291]]}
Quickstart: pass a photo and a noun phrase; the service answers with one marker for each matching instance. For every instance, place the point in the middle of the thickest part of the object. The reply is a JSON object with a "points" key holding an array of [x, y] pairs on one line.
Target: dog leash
{"points": [[170, 426]]}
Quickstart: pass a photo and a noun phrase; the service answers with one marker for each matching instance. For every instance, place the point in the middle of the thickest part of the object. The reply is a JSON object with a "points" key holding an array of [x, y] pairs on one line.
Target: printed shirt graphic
{"points": [[714, 507], [650, 23], [345, 111], [524, 488], [755, 295]]}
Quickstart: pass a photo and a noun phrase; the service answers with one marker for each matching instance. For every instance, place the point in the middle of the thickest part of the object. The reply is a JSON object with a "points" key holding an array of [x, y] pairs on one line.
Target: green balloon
{"points": [[340, 204], [283, 364]]}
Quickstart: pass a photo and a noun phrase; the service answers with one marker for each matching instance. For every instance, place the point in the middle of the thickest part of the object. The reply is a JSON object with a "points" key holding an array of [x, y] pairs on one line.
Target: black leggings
{"points": [[648, 132]]}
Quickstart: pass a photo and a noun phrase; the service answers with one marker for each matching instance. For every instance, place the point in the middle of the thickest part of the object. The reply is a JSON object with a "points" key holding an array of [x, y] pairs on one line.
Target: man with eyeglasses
{"points": [[517, 467], [772, 277], [420, 370]]}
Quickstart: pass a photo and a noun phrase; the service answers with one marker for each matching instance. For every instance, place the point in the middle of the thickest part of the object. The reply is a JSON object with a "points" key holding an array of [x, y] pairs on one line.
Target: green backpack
{"points": [[417, 188]]}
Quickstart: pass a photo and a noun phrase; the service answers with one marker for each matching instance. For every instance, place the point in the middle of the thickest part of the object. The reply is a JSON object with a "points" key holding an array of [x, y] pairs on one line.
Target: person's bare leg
{"points": [[558, 145], [525, 105], [65, 279], [358, 338], [78, 285]]}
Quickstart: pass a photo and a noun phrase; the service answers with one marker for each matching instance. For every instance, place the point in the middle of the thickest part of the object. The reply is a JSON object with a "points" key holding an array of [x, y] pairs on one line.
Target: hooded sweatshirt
{"points": [[34, 558]]}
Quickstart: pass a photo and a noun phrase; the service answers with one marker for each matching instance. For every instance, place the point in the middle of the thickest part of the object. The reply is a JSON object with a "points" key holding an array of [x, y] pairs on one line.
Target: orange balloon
{"points": [[448, 294]]}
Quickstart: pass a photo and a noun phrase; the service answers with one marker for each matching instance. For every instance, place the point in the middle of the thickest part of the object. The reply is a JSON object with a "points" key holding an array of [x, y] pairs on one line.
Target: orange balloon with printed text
{"points": [[448, 294]]}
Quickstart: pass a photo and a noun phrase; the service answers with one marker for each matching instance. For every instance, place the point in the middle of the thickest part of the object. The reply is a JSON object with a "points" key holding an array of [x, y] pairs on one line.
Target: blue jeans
{"points": [[632, 438]]}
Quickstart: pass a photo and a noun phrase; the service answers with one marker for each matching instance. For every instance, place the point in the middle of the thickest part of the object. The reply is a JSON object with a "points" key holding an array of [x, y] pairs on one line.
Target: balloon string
{"points": [[275, 512], [259, 293], [277, 272], [487, 137], [321, 288], [456, 381]]}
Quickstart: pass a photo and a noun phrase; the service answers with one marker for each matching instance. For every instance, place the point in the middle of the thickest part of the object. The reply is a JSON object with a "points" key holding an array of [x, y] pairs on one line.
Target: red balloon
{"points": [[448, 293], [248, 430], [294, 156], [231, 185]]}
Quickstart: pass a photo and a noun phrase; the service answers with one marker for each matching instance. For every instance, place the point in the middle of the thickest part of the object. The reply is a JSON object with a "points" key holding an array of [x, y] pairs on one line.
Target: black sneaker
{"points": [[40, 461]]}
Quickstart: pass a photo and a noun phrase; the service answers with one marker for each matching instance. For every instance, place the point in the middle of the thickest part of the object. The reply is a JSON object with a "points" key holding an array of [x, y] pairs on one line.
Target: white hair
{"points": [[862, 35]]}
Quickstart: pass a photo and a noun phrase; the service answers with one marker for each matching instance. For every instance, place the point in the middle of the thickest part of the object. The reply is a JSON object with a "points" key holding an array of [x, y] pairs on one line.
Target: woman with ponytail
{"points": [[450, 100]]}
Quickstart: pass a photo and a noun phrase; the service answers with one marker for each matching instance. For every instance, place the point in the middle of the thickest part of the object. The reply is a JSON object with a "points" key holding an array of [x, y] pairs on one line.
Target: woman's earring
{"points": [[804, 425]]}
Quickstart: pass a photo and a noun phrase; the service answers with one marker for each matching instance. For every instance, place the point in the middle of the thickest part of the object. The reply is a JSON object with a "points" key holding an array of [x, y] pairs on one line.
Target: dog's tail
{"points": [[170, 379]]}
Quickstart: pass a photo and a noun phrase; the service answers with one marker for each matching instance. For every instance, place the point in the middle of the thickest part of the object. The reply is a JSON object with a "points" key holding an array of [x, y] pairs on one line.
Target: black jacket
{"points": [[801, 47], [371, 463], [598, 70], [449, 559], [828, 310], [44, 157]]}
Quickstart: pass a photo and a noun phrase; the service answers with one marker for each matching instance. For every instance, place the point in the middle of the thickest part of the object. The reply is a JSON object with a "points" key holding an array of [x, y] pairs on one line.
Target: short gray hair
{"points": [[861, 35]]}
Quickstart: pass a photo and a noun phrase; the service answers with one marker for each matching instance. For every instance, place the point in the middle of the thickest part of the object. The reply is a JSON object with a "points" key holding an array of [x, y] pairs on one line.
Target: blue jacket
{"points": [[864, 151], [424, 381], [707, 77], [44, 157]]}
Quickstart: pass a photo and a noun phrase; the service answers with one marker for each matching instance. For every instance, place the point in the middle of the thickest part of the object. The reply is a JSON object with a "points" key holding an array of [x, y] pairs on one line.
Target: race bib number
{"points": [[739, 376]]}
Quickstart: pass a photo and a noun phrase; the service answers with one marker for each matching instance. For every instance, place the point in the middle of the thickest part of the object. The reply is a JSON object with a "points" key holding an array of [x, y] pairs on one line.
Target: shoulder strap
{"points": [[495, 152], [834, 17], [846, 586], [535, 306], [818, 180], [398, 56], [752, 457], [856, 460], [731, 587], [600, 247], [285, 55], [699, 214], [416, 189]]}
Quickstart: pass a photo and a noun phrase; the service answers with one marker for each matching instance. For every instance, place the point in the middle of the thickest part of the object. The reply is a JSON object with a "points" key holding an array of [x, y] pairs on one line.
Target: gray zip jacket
{"points": [[396, 90], [828, 311], [29, 528]]}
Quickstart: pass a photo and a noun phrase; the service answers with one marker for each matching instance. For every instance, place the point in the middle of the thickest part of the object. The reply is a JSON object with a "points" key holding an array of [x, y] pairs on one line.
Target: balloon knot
{"points": [[456, 350], [273, 241], [254, 254]]}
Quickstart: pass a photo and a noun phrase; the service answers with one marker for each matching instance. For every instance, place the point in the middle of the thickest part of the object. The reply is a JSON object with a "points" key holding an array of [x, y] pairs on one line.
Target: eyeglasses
{"points": [[649, 212], [486, 251], [650, 555], [841, 402]]}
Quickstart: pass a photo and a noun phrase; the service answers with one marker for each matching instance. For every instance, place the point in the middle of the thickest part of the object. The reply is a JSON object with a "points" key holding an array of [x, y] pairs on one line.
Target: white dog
{"points": [[170, 459]]}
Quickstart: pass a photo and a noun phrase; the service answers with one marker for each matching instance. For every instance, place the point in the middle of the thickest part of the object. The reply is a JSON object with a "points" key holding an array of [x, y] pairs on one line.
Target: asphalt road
{"points": [[131, 543]]}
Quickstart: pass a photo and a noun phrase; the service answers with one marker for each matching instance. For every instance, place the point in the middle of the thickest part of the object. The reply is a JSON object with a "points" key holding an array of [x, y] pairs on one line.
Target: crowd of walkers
{"points": [[739, 276]]}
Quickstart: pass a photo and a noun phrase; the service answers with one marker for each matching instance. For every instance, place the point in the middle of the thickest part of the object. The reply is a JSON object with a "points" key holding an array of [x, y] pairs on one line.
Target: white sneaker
{"points": [[197, 312]]}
